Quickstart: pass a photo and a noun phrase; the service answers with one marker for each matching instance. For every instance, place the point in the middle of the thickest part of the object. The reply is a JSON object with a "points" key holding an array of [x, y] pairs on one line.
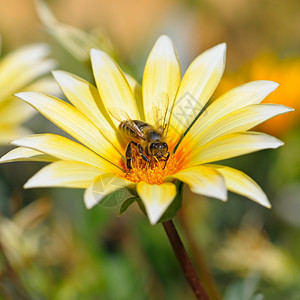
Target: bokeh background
{"points": [[53, 248]]}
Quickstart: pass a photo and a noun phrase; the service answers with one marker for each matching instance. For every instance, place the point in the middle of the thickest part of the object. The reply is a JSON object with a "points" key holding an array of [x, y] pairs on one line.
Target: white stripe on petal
{"points": [[161, 76], [112, 85], [156, 198], [86, 99], [25, 154], [240, 183], [63, 148], [250, 93], [237, 121], [197, 86], [204, 181], [73, 122], [64, 174], [232, 145]]}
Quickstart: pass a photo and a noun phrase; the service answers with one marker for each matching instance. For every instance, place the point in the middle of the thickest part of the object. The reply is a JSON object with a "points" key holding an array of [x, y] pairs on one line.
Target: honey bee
{"points": [[148, 139]]}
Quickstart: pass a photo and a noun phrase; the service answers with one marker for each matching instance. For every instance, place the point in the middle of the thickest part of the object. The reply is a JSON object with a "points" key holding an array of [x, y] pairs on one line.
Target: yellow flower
{"points": [[96, 162], [284, 71], [19, 71]]}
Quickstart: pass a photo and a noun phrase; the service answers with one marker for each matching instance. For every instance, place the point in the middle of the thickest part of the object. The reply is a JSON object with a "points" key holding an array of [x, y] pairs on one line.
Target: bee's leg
{"points": [[166, 159], [144, 157], [150, 161], [129, 155]]}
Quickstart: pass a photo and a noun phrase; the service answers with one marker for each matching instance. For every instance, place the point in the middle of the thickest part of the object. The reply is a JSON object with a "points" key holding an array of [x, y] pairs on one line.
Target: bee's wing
{"points": [[121, 116], [161, 112]]}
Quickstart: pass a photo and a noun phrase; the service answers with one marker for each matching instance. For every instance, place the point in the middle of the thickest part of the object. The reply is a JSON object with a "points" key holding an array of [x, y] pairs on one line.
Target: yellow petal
{"points": [[86, 99], [64, 174], [112, 85], [197, 86], [102, 186], [238, 182], [21, 67], [237, 121], [156, 198], [204, 181], [161, 76], [25, 154], [137, 92], [235, 99], [63, 148], [73, 122], [232, 145]]}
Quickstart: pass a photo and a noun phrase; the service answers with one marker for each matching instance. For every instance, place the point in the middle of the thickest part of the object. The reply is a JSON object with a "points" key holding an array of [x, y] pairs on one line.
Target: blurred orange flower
{"points": [[284, 71]]}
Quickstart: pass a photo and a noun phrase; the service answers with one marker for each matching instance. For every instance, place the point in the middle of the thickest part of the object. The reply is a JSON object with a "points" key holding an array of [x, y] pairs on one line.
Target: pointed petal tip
{"points": [[98, 52], [14, 142], [56, 73], [20, 94], [274, 142], [88, 204], [220, 48], [268, 85], [216, 53], [164, 39], [153, 216], [279, 144], [271, 84], [263, 201], [28, 184], [3, 159], [88, 198], [33, 182], [164, 46], [156, 198], [271, 141], [100, 59], [224, 196], [265, 86], [152, 219], [61, 76], [289, 109], [26, 95]]}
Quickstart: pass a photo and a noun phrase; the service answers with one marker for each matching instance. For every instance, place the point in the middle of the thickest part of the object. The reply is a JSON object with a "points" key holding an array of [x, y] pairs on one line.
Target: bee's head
{"points": [[158, 149]]}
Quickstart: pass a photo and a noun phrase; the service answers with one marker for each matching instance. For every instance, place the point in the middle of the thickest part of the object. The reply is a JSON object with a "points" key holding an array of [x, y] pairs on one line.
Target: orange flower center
{"points": [[153, 173]]}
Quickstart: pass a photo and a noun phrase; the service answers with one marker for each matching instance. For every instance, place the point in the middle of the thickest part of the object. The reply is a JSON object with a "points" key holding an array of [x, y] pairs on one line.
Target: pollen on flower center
{"points": [[153, 173]]}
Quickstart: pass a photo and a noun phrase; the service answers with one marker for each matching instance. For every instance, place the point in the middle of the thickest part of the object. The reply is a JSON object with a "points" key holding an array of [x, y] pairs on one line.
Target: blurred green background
{"points": [[52, 247]]}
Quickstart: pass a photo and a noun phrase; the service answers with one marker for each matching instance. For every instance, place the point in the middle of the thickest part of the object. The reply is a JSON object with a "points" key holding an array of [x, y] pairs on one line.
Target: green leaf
{"points": [[126, 204]]}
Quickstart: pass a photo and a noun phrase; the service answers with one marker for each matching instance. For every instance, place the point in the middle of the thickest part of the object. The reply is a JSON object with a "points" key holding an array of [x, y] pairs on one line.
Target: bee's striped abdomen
{"points": [[126, 128]]}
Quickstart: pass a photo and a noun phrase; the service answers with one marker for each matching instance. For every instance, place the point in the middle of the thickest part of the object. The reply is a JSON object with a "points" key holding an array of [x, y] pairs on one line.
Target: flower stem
{"points": [[198, 256], [184, 261]]}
